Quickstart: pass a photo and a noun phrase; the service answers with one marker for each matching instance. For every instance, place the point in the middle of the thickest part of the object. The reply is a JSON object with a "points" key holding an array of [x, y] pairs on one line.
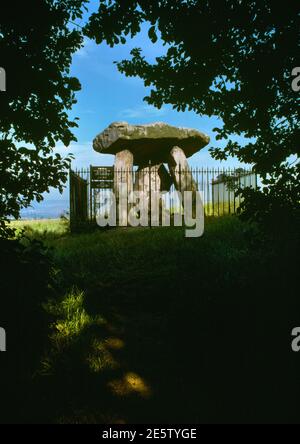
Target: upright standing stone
{"points": [[123, 184], [150, 181], [183, 176], [160, 179], [180, 171]]}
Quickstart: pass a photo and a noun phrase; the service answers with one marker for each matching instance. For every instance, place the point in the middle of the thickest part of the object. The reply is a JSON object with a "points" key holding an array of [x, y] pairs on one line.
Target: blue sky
{"points": [[108, 96]]}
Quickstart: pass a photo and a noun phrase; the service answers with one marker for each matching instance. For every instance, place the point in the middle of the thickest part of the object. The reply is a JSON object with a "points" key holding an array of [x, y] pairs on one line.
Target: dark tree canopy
{"points": [[228, 58], [36, 47]]}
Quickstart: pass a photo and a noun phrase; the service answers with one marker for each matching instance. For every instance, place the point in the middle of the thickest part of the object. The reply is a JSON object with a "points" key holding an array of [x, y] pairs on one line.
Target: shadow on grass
{"points": [[156, 328], [145, 326]]}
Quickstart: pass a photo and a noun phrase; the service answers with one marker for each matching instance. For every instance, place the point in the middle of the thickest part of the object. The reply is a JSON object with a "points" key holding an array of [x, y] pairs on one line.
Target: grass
{"points": [[42, 229], [146, 326]]}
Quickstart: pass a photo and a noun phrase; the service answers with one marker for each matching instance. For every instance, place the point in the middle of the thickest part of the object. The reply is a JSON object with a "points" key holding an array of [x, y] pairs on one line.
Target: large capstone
{"points": [[151, 142]]}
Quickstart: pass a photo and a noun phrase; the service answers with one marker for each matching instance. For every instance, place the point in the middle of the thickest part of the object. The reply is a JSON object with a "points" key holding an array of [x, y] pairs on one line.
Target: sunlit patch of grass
{"points": [[222, 209], [73, 326], [71, 332], [101, 358], [72, 318], [44, 229], [131, 383], [114, 343]]}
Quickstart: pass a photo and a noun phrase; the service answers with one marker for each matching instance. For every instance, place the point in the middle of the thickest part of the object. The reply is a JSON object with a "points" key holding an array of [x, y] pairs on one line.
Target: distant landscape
{"points": [[48, 209]]}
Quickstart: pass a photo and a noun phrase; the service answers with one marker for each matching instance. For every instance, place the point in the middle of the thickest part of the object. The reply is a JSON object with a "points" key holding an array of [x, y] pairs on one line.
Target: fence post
{"points": [[71, 202], [207, 192], [150, 196], [91, 193], [213, 192]]}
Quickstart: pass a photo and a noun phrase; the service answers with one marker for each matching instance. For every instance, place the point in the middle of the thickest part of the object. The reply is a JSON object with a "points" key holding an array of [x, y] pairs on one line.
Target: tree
{"points": [[228, 58], [36, 46]]}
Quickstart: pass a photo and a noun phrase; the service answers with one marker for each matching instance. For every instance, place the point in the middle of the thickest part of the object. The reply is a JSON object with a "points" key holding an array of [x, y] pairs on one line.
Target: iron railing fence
{"points": [[89, 188]]}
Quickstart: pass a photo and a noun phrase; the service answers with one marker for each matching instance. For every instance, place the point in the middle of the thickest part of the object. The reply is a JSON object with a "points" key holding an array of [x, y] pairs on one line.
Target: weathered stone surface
{"points": [[124, 160], [149, 142], [180, 171], [159, 179], [150, 181], [123, 183]]}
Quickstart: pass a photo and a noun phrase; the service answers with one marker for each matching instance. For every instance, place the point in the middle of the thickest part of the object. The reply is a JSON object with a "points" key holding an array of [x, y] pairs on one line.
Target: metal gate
{"points": [[78, 201]]}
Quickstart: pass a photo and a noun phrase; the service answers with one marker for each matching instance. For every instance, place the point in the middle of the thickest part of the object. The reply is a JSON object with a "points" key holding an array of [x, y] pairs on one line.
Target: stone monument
{"points": [[149, 148], [155, 144]]}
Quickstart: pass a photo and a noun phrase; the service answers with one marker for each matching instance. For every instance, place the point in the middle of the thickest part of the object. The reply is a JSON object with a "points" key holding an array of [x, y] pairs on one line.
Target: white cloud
{"points": [[86, 49], [87, 111], [142, 111], [84, 155]]}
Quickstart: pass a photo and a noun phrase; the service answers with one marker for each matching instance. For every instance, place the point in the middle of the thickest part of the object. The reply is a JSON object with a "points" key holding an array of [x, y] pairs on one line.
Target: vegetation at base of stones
{"points": [[37, 55], [145, 326], [228, 59]]}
